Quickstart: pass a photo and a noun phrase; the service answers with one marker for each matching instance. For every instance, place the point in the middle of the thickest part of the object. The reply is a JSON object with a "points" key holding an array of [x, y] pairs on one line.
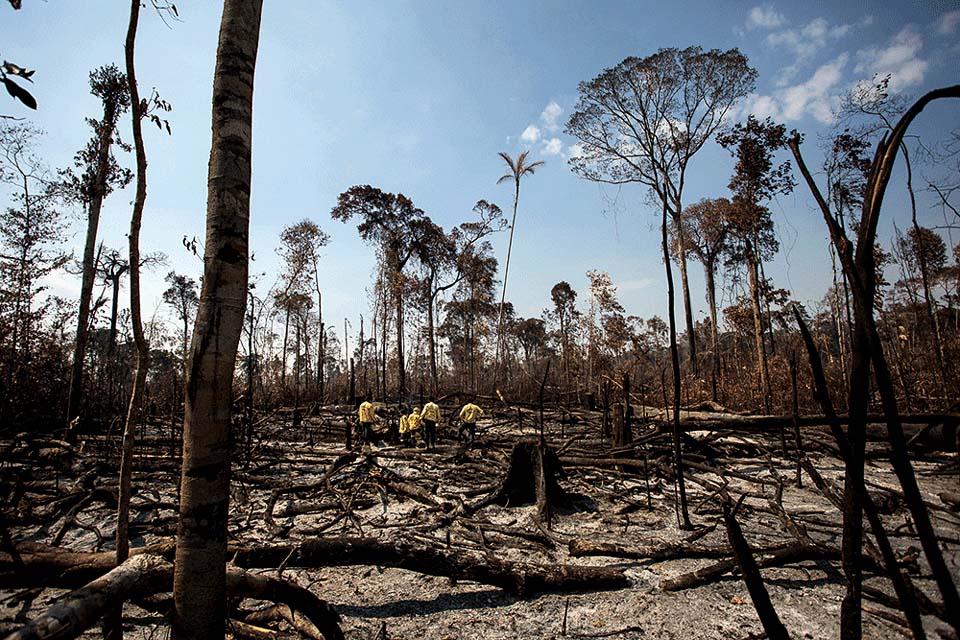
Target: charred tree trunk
{"points": [[860, 265], [675, 362], [113, 623], [751, 576], [533, 477]]}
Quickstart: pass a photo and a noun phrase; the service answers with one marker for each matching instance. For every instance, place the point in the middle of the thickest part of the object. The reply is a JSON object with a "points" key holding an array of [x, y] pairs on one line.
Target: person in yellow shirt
{"points": [[431, 416], [468, 422], [414, 424], [403, 426], [367, 414]]}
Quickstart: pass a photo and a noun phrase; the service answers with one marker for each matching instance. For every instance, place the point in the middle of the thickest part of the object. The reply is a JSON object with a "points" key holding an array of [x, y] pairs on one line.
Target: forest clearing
{"points": [[395, 539], [350, 427]]}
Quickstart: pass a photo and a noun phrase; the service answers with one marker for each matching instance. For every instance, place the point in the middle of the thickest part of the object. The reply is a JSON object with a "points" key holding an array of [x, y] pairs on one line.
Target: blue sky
{"points": [[418, 97]]}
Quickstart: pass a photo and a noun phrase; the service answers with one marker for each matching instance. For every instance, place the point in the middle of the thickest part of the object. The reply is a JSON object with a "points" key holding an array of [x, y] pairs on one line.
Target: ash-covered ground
{"points": [[375, 494]]}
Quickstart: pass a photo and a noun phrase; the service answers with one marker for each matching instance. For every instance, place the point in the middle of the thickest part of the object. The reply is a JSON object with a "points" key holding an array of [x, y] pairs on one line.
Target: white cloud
{"points": [[900, 59], [764, 107], [550, 115], [764, 17], [947, 23], [575, 150], [813, 96], [808, 40], [635, 285], [552, 147], [531, 134]]}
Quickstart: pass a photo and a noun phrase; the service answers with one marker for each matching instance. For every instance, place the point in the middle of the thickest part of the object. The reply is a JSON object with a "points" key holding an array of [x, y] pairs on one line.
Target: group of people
{"points": [[420, 425]]}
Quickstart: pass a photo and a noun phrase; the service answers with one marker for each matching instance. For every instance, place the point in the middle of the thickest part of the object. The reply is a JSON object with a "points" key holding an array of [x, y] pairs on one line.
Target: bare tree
{"points": [[641, 122], [644, 120]]}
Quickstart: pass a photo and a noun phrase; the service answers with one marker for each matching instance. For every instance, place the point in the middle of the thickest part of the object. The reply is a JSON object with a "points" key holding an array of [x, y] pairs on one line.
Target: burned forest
{"points": [[319, 412]]}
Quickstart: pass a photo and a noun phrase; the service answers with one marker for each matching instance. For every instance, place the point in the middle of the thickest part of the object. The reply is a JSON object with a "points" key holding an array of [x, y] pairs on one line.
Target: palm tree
{"points": [[517, 170]]}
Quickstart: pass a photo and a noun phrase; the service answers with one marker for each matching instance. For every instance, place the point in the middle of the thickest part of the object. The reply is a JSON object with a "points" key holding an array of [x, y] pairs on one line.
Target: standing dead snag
{"points": [[859, 264], [532, 478]]}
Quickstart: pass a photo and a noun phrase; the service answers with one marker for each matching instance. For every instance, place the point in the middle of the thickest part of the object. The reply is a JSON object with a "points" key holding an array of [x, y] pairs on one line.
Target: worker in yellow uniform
{"points": [[431, 416], [403, 426], [368, 415], [468, 422], [414, 424]]}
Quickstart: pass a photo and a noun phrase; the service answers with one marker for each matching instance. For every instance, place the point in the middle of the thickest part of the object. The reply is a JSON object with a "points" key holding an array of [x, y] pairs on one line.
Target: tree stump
{"points": [[533, 477]]}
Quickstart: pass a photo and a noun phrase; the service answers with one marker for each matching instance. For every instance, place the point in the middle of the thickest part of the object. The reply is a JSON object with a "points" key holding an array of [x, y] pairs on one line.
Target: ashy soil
{"points": [[604, 504]]}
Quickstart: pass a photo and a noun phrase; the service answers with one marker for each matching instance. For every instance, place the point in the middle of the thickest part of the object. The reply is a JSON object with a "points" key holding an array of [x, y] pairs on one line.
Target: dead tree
{"points": [[532, 478], [859, 264]]}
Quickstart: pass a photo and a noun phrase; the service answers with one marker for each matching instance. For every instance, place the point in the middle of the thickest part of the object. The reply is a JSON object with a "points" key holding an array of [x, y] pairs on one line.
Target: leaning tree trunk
{"points": [[859, 264], [113, 620], [199, 586]]}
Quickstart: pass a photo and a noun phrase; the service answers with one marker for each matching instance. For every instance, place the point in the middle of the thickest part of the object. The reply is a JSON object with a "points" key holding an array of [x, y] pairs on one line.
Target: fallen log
{"points": [[656, 552], [517, 578], [144, 574], [51, 567], [78, 610], [778, 558]]}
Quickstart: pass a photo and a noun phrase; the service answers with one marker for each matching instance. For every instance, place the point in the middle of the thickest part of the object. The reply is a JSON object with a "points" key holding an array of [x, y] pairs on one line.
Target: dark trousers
{"points": [[468, 430], [430, 433], [366, 433]]}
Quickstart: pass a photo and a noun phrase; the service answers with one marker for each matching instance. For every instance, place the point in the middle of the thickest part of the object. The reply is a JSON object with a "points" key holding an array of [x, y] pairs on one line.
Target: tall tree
{"points": [[300, 246], [564, 310], [181, 295], [444, 259], [199, 577], [468, 314], [139, 110], [756, 179], [395, 226], [516, 170], [101, 175], [706, 230], [643, 120]]}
